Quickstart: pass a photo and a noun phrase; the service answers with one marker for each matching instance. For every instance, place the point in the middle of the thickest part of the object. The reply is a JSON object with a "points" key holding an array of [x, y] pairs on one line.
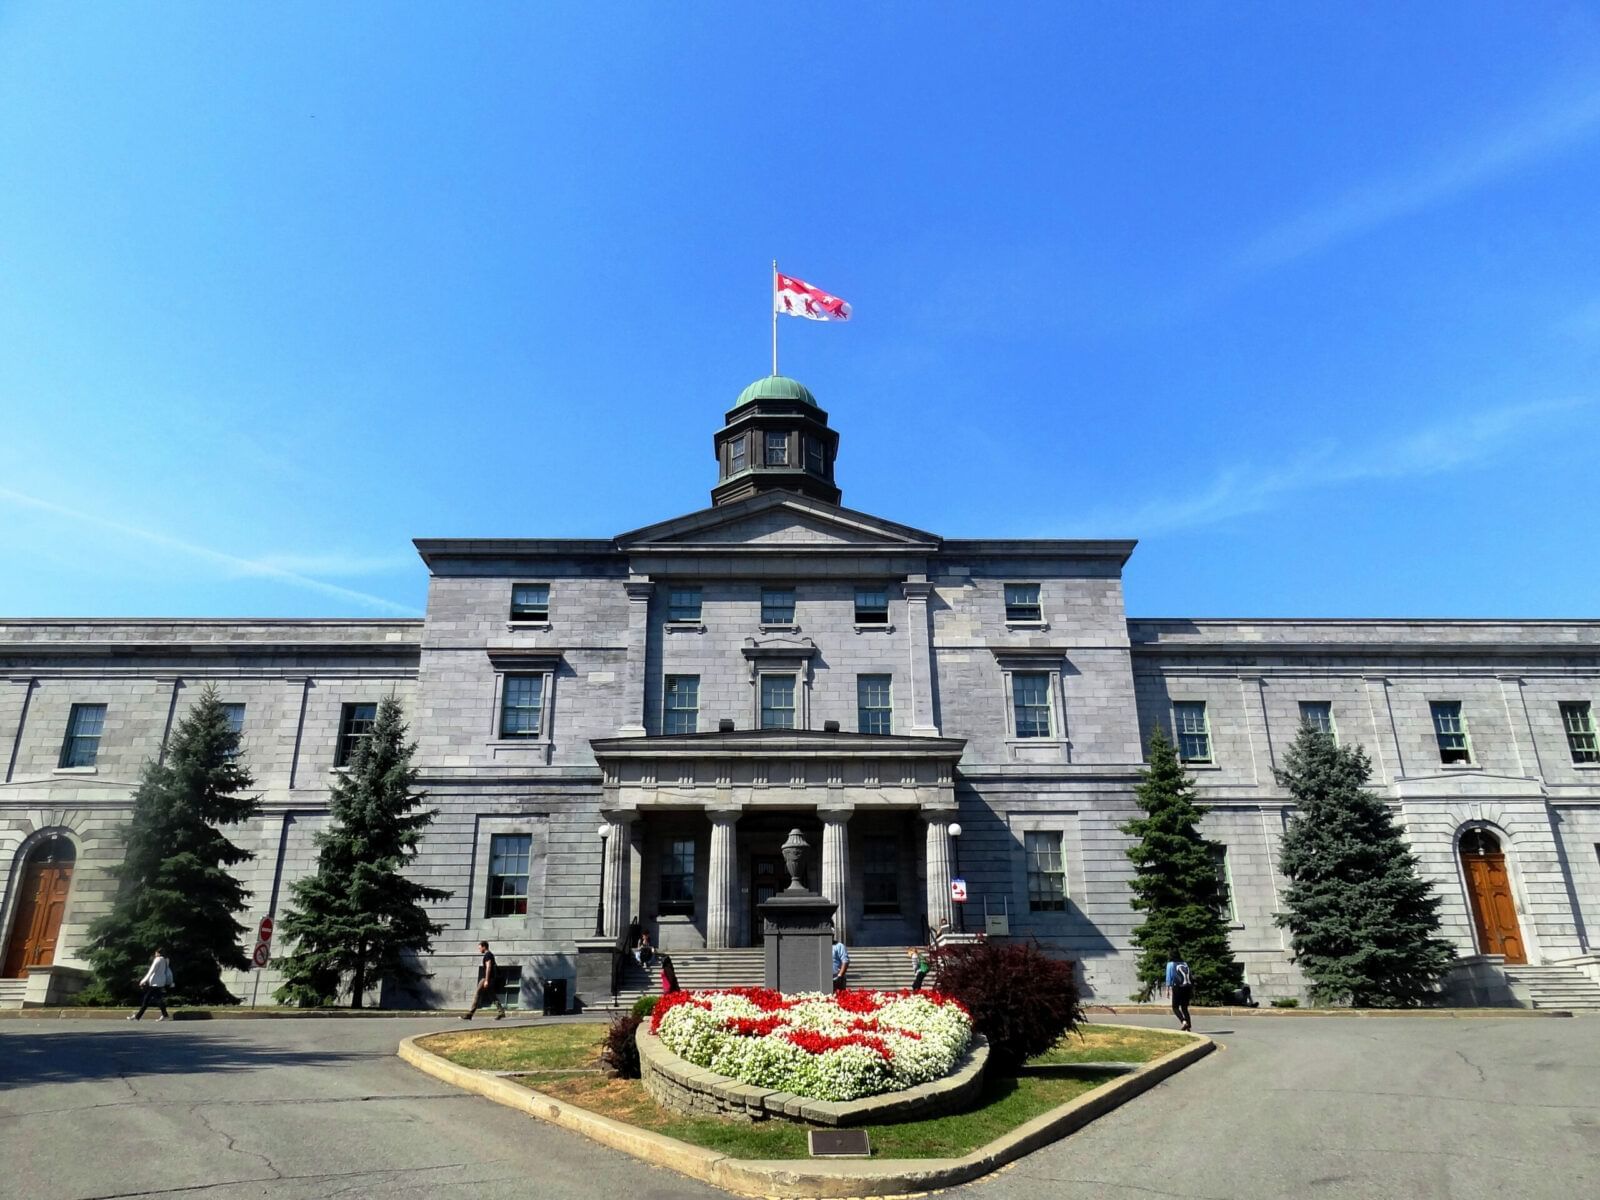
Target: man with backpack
{"points": [[488, 985], [1180, 982]]}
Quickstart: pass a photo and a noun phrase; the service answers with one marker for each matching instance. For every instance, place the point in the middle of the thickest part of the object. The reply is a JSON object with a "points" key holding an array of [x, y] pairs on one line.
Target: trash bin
{"points": [[555, 997]]}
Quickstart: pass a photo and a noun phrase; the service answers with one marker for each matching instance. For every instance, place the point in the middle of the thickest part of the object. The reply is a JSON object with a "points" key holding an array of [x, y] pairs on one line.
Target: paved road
{"points": [[305, 1110]]}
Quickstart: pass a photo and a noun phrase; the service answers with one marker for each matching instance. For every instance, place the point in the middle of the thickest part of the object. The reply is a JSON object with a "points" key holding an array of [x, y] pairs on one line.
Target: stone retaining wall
{"points": [[678, 1084]]}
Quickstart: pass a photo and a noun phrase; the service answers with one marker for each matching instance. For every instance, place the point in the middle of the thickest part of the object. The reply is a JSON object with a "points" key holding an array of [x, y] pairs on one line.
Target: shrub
{"points": [[1286, 1002], [1020, 998], [645, 1005], [621, 1053]]}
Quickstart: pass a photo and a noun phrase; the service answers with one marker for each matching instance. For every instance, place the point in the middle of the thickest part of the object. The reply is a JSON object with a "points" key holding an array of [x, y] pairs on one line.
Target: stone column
{"points": [[918, 637], [836, 865], [722, 899], [940, 909], [619, 846], [640, 590]]}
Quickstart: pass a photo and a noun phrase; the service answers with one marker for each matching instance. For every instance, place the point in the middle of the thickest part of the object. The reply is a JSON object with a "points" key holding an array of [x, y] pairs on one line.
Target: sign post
{"points": [[261, 955]]}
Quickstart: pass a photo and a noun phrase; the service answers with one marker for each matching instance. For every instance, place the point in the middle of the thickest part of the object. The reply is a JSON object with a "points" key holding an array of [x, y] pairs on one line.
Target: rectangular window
{"points": [[777, 606], [1022, 602], [738, 454], [522, 706], [683, 704], [82, 744], [1030, 701], [1047, 874], [815, 461], [777, 702], [777, 450], [881, 874], [683, 604], [677, 877], [1318, 714], [530, 602], [355, 723], [508, 874], [874, 704], [1450, 729], [511, 987], [1193, 732], [872, 606], [1219, 862], [234, 715], [1578, 721]]}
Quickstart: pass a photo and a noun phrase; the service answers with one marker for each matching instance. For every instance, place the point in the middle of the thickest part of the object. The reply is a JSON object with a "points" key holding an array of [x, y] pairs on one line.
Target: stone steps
{"points": [[1556, 987], [879, 967], [12, 991]]}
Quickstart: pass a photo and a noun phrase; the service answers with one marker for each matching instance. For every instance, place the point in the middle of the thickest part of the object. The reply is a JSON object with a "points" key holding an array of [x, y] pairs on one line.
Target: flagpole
{"points": [[774, 316]]}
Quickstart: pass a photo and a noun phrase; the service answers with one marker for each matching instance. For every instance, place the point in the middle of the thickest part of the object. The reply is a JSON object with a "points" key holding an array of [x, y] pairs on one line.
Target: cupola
{"points": [[775, 437]]}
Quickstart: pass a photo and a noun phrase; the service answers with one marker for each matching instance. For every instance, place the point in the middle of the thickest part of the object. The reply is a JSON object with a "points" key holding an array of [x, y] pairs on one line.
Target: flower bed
{"points": [[840, 1047]]}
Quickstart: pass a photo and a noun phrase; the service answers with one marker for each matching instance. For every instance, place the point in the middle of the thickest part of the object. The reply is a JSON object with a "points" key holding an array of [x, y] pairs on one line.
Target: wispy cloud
{"points": [[1536, 136], [344, 566], [1243, 489], [232, 563]]}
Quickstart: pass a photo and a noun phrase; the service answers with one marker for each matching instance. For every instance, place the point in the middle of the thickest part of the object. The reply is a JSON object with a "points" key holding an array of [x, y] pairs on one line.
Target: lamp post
{"points": [[955, 854], [600, 905]]}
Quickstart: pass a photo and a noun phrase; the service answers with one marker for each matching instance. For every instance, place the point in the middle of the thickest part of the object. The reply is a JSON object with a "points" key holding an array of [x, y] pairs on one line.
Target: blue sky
{"points": [[1303, 297]]}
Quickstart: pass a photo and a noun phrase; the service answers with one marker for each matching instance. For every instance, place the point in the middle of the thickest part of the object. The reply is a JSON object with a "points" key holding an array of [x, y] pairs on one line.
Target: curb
{"points": [[1428, 1014], [222, 1014], [796, 1178]]}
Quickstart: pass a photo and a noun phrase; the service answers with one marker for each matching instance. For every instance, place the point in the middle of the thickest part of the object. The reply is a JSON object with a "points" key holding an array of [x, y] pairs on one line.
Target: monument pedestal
{"points": [[797, 930]]}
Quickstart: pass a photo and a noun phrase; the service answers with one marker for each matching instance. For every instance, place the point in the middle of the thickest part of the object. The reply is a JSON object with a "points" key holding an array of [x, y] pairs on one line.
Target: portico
{"points": [[696, 820]]}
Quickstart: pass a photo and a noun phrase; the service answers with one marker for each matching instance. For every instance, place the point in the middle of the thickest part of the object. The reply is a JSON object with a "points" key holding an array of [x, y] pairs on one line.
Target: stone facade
{"points": [[623, 819]]}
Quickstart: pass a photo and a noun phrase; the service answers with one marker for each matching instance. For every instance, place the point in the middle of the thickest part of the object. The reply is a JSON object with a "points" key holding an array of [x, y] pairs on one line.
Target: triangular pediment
{"points": [[779, 519]]}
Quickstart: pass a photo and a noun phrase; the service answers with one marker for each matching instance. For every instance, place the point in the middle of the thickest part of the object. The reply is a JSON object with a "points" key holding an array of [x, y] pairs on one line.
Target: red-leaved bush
{"points": [[621, 1052], [1020, 998]]}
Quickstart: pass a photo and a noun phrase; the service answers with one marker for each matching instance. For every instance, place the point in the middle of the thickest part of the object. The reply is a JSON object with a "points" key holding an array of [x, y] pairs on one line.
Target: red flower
{"points": [[754, 1026], [813, 1042]]}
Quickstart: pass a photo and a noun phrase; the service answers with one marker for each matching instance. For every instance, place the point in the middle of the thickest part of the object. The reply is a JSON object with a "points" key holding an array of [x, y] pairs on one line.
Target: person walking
{"points": [[841, 965], [155, 983], [488, 985], [919, 965], [1180, 982]]}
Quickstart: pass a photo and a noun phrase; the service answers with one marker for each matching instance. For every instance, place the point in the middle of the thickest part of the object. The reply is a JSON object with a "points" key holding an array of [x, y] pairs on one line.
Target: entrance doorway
{"points": [[1494, 911], [41, 903], [765, 872]]}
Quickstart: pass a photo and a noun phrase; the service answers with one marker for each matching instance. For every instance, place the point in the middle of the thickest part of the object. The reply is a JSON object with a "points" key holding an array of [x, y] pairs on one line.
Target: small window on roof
{"points": [[1022, 602], [530, 602]]}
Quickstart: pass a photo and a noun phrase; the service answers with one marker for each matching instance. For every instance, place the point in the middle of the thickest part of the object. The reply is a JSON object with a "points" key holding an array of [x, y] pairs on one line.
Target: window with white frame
{"points": [[81, 747], [874, 704], [777, 449], [1047, 872], [777, 606], [1022, 603], [530, 602], [872, 606], [234, 715], [1318, 715], [1193, 731], [522, 706], [881, 874], [816, 460], [738, 454], [511, 987], [1450, 731], [355, 726], [777, 701], [508, 874], [1219, 863], [677, 877], [1030, 703], [682, 710], [1578, 722], [683, 603]]}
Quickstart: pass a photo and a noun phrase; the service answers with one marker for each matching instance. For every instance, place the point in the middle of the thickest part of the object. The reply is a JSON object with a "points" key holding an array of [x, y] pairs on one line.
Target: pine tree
{"points": [[1175, 884], [177, 893], [1363, 923], [356, 919]]}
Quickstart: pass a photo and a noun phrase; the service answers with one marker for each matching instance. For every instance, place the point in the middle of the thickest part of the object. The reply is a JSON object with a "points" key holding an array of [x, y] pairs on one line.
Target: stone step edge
{"points": [[797, 1179]]}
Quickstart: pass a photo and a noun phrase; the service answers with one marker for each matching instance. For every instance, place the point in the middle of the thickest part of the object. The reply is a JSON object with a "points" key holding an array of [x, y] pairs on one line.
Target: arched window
{"points": [[1479, 841]]}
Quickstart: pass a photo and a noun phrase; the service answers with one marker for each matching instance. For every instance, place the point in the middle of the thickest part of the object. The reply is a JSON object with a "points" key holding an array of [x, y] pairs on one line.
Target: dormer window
{"points": [[777, 450], [1022, 603], [530, 602]]}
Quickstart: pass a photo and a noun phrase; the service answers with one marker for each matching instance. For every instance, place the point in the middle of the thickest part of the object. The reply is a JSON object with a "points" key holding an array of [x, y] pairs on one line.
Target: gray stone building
{"points": [[628, 727]]}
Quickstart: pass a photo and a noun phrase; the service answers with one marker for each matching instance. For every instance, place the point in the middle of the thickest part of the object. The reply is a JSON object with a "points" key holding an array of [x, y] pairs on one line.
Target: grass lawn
{"points": [[558, 1060]]}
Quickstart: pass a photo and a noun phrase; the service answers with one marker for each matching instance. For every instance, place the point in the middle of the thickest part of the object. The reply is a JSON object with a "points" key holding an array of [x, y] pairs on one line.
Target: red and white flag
{"points": [[798, 298]]}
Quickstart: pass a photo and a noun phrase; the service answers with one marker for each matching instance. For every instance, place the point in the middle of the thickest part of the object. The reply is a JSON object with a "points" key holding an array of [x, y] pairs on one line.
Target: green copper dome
{"points": [[776, 387]]}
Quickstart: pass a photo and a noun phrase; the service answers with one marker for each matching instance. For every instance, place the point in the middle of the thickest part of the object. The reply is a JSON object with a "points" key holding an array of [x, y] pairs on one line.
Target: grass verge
{"points": [[526, 1048], [1121, 1043]]}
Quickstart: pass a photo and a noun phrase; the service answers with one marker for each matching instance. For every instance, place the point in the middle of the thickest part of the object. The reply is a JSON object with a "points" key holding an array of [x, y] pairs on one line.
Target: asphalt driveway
{"points": [[1335, 1107]]}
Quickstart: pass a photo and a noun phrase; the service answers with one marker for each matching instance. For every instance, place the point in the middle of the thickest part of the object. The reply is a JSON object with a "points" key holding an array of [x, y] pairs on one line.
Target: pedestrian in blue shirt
{"points": [[1180, 982], [841, 965]]}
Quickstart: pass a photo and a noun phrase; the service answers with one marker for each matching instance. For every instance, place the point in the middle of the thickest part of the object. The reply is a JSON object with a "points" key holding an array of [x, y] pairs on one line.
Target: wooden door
{"points": [[1494, 912], [766, 870], [41, 902]]}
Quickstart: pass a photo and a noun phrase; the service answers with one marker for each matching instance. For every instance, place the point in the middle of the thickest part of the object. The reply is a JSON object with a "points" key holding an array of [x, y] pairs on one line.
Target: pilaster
{"points": [[640, 589], [919, 639]]}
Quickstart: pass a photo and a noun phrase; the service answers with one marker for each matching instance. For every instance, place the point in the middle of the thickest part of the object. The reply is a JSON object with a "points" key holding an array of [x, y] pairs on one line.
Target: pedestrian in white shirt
{"points": [[155, 983]]}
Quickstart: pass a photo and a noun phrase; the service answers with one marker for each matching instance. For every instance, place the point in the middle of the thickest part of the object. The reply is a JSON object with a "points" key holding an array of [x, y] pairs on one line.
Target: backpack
{"points": [[1181, 976]]}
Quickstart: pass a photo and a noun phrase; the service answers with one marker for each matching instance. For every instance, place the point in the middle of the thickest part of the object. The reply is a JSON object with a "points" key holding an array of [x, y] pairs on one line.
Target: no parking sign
{"points": [[263, 951]]}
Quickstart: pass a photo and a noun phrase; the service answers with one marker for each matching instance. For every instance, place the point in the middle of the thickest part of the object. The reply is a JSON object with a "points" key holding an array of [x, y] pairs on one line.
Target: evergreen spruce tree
{"points": [[1362, 922], [356, 919], [177, 892], [1175, 884]]}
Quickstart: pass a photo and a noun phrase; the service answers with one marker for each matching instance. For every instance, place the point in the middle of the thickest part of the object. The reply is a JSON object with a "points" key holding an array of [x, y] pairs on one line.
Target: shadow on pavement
{"points": [[75, 1057]]}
